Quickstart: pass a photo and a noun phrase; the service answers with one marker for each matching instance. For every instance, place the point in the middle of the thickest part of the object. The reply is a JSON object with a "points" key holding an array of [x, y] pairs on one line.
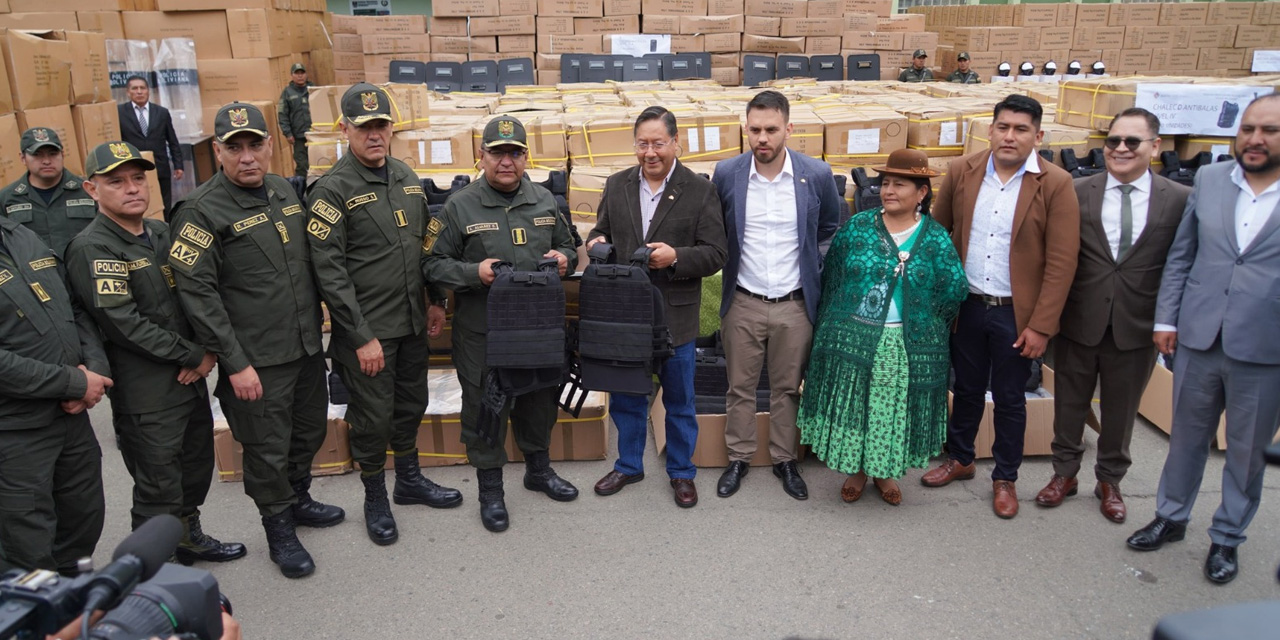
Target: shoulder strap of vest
{"points": [[602, 253], [641, 257]]}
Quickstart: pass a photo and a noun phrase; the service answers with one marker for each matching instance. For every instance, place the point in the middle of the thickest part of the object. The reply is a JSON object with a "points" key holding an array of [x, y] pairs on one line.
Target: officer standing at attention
{"points": [[367, 222], [963, 74], [294, 114], [506, 218], [52, 368], [917, 72], [118, 271], [244, 277], [49, 199]]}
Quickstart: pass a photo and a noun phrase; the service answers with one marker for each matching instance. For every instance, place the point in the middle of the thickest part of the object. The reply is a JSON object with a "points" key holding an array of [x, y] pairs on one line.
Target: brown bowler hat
{"points": [[908, 163]]}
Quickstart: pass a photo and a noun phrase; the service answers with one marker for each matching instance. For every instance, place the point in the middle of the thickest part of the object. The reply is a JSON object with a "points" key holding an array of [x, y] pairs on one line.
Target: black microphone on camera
{"points": [[135, 560]]}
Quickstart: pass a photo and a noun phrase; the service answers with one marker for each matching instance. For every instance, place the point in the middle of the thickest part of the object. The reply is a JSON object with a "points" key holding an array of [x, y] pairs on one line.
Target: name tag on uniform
{"points": [[196, 234], [26, 206], [481, 226], [5, 276], [250, 222], [110, 268], [518, 236], [43, 263], [291, 209], [82, 202], [40, 292], [362, 199], [401, 220], [139, 264], [326, 211], [548, 221], [409, 191]]}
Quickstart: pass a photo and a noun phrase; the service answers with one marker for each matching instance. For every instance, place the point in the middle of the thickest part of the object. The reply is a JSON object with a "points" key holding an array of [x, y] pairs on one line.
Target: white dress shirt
{"points": [[1252, 212], [649, 199], [991, 236], [1139, 200], [770, 263]]}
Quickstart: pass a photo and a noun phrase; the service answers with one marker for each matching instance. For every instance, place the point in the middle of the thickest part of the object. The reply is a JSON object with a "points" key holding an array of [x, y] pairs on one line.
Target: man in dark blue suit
{"points": [[149, 127], [781, 209]]}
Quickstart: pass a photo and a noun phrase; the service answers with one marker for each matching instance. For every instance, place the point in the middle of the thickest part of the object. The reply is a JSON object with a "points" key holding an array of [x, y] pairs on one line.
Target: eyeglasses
{"points": [[1132, 143], [514, 154], [656, 146]]}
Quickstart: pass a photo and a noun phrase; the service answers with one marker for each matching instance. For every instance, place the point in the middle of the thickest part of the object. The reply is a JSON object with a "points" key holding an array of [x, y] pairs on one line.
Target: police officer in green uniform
{"points": [[52, 369], [367, 222], [917, 72], [502, 217], [49, 199], [963, 74], [294, 114], [243, 270], [118, 270]]}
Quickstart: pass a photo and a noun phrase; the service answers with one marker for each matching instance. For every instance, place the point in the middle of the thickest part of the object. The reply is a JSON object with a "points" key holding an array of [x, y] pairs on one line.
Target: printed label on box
{"points": [[863, 141], [441, 152], [1212, 110]]}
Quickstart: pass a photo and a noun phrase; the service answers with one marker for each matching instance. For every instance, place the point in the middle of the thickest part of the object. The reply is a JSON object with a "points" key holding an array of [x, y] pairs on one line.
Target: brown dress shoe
{"points": [[1112, 504], [949, 472], [686, 493], [1056, 491], [614, 481], [1005, 501]]}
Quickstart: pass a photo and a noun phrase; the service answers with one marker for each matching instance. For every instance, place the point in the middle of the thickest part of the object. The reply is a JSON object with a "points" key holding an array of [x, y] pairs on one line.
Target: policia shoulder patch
{"points": [[326, 211], [196, 235]]}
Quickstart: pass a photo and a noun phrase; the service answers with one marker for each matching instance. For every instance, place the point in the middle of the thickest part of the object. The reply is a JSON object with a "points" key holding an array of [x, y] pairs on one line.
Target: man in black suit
{"points": [[149, 127]]}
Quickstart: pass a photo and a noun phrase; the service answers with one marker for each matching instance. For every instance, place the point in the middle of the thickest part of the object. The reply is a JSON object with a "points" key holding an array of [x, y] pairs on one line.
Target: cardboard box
{"points": [[711, 24], [586, 186], [622, 7], [585, 437], [107, 23], [348, 60], [198, 5], [1039, 432], [592, 43], [1250, 36], [42, 21], [95, 124], [861, 137], [370, 25], [39, 69], [24, 6], [900, 22], [779, 8], [333, 458], [877, 7], [608, 24], [721, 7], [1098, 37], [727, 76], [466, 8], [1092, 15], [1150, 37], [726, 43], [874, 40], [1135, 15], [710, 449], [555, 25], [1232, 13], [1217, 36], [396, 43], [766, 44], [1182, 14], [939, 129], [822, 45], [504, 26], [1035, 15], [90, 80], [671, 7], [518, 8], [435, 151], [762, 25], [257, 33], [224, 81], [517, 45], [59, 119], [11, 166], [582, 8], [810, 27], [1134, 61], [1216, 59], [207, 28], [476, 44]]}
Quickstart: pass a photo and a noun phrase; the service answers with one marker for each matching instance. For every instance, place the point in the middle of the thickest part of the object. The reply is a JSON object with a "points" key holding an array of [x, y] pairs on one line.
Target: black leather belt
{"points": [[991, 301], [798, 294]]}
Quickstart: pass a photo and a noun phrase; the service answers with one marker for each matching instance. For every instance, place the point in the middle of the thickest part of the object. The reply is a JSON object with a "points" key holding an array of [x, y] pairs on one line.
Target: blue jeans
{"points": [[631, 415]]}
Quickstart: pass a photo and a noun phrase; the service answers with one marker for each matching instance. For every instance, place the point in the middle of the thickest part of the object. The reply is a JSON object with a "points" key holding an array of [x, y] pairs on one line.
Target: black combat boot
{"points": [[539, 476], [377, 511], [198, 545], [414, 488], [308, 512], [285, 548], [493, 510]]}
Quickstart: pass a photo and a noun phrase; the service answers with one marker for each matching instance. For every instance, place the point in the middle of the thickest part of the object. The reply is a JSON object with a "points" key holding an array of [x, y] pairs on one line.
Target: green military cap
{"points": [[297, 66], [504, 130], [964, 55], [920, 53], [239, 117], [36, 137], [364, 102], [107, 156]]}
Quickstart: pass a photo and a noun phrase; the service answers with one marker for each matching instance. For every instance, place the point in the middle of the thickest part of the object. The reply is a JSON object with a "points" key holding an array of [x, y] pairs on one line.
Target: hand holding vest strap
{"points": [[641, 257], [602, 253]]}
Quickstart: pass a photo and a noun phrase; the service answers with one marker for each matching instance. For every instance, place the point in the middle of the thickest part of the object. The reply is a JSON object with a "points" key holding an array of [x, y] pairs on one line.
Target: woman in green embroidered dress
{"points": [[875, 393]]}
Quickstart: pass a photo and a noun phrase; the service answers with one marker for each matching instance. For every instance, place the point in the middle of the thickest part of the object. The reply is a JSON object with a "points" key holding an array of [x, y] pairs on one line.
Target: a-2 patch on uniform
{"points": [[111, 287], [328, 212], [184, 253], [318, 229]]}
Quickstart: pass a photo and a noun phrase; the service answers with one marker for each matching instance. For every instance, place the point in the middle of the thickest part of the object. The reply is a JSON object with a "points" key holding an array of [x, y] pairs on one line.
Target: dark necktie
{"points": [[1126, 220]]}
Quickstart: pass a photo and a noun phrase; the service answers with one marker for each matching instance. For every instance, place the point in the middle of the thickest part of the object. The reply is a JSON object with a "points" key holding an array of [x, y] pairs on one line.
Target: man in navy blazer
{"points": [[158, 137], [1219, 305], [781, 209]]}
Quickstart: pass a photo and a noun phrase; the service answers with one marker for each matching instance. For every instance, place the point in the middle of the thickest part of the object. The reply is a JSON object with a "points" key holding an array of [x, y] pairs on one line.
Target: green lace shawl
{"points": [[857, 284]]}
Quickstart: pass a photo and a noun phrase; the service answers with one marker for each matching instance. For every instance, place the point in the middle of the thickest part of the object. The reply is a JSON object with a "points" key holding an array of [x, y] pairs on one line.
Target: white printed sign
{"points": [[950, 135], [441, 152], [692, 140], [638, 45], [1266, 61], [1199, 109], [863, 141], [711, 136]]}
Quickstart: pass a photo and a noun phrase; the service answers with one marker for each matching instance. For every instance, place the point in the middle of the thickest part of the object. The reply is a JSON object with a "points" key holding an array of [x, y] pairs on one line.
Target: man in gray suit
{"points": [[780, 210], [661, 204], [1128, 217], [1219, 305]]}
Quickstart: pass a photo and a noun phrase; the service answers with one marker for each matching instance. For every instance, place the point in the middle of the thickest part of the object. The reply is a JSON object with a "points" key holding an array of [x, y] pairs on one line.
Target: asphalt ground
{"points": [[757, 565]]}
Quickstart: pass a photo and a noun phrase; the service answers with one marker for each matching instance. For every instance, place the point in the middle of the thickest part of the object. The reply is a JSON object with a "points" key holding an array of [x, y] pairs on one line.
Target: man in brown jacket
{"points": [[1015, 221]]}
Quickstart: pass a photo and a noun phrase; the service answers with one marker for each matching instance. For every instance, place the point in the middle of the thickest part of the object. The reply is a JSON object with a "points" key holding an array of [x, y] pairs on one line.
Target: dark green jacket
{"points": [[294, 111], [479, 223], [970, 77], [44, 335], [244, 273], [67, 213], [366, 238], [127, 286], [911, 75]]}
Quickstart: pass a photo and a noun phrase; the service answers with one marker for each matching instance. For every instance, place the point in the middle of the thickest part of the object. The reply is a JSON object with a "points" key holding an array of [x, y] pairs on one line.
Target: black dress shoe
{"points": [[731, 479], [1221, 566], [792, 483], [1154, 535]]}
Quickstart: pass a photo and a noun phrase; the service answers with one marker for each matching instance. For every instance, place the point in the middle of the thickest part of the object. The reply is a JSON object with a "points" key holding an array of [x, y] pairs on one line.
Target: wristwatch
{"points": [[443, 303]]}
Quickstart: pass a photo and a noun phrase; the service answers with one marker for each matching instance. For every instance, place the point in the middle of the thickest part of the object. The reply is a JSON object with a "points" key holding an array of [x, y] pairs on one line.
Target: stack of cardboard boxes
{"points": [[364, 46], [1191, 38]]}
